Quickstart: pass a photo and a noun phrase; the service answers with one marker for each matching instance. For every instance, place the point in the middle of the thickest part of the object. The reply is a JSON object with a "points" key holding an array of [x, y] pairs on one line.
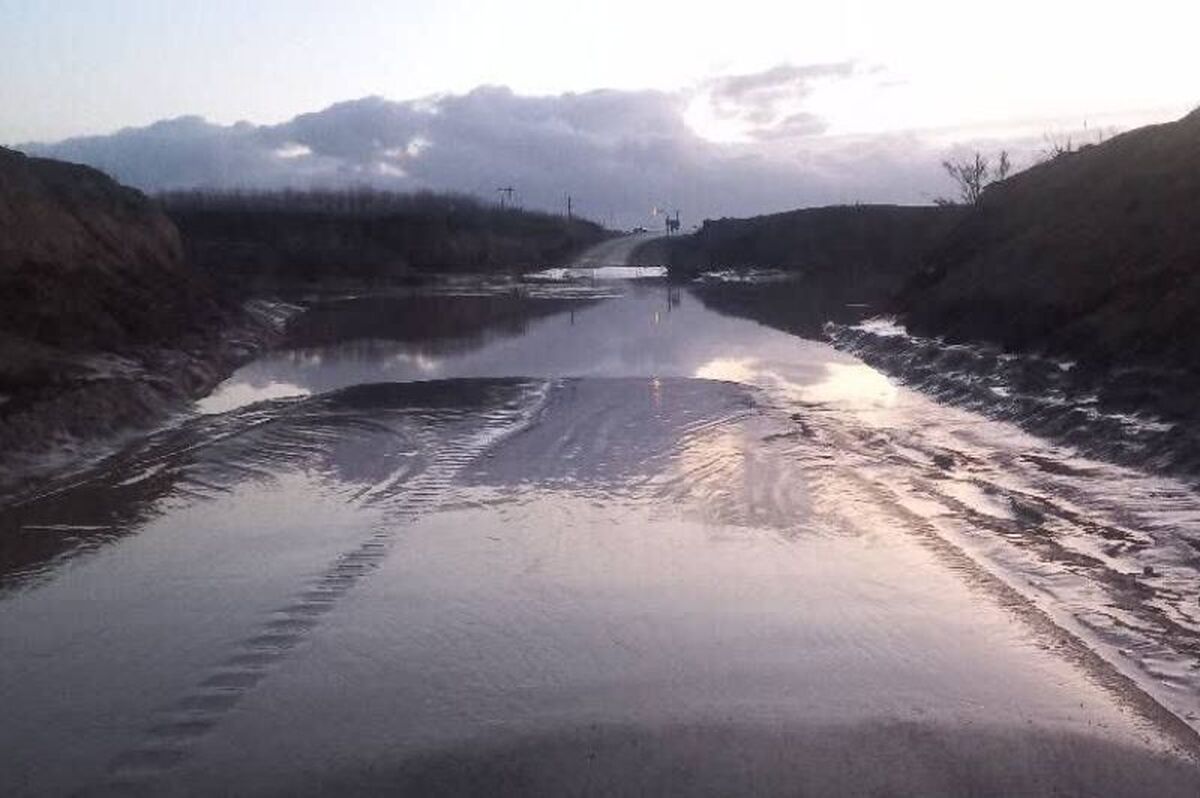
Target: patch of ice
{"points": [[232, 395], [1139, 423], [744, 276], [883, 326], [572, 273]]}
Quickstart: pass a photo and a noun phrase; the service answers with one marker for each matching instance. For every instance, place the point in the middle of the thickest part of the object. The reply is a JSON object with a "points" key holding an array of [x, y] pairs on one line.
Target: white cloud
{"points": [[293, 150], [618, 153]]}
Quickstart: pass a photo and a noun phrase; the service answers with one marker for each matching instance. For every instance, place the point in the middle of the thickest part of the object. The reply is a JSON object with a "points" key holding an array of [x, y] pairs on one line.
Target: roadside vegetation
{"points": [[972, 175], [1091, 252], [252, 239]]}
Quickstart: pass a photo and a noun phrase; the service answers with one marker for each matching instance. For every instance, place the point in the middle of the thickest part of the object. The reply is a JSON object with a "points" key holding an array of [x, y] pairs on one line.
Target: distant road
{"points": [[614, 252]]}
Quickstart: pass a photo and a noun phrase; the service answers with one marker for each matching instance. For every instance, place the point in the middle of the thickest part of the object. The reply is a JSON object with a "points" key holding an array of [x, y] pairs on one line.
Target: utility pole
{"points": [[505, 191], [569, 207]]}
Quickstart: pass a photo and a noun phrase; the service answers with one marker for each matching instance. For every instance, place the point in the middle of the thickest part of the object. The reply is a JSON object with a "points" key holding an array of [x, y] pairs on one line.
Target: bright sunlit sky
{"points": [[719, 109], [72, 67]]}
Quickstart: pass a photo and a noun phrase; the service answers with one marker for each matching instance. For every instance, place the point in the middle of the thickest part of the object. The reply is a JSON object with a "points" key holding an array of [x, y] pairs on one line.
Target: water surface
{"points": [[593, 538]]}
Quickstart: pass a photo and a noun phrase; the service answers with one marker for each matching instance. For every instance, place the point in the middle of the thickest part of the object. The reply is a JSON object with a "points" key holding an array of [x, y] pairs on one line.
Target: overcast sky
{"points": [[725, 108]]}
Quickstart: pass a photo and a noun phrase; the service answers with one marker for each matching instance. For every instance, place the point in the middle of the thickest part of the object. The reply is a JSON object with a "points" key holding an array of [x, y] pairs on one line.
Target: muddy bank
{"points": [[1138, 416], [87, 264], [1091, 255], [1144, 417], [69, 405], [868, 250], [111, 317], [104, 326]]}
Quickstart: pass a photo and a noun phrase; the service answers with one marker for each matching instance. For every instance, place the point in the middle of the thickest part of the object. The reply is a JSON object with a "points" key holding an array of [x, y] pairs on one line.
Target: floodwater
{"points": [[592, 537]]}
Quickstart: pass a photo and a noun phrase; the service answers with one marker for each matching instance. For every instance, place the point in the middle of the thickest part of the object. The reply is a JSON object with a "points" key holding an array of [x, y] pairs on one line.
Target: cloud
{"points": [[791, 126], [618, 153], [784, 79], [767, 104]]}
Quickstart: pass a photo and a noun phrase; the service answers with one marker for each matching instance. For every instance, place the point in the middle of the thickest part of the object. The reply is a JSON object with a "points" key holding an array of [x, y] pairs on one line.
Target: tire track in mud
{"points": [[1109, 573], [168, 741], [853, 478]]}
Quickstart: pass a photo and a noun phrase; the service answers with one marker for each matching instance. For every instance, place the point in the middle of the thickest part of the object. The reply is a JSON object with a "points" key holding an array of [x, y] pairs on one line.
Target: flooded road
{"points": [[582, 536]]}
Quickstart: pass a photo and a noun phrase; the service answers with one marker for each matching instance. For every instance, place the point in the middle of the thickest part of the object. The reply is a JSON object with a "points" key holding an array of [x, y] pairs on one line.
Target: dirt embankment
{"points": [[848, 261], [1094, 254], [870, 249], [102, 324], [86, 263]]}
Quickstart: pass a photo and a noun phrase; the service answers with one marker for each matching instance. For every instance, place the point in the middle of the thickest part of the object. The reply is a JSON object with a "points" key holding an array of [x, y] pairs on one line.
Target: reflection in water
{"points": [[600, 273], [612, 437], [729, 370], [241, 394], [622, 563], [363, 442], [433, 320], [637, 514], [400, 337], [647, 330], [853, 383]]}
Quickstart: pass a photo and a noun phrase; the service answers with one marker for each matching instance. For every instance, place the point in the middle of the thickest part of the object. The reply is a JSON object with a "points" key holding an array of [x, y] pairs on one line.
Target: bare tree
{"points": [[973, 175], [1056, 146], [970, 176]]}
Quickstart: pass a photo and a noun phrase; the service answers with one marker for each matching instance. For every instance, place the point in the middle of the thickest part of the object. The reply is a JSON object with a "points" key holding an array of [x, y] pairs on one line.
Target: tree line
{"points": [[354, 201]]}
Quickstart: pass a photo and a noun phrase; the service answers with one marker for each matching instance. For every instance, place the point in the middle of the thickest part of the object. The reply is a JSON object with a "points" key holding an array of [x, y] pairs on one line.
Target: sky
{"points": [[818, 93]]}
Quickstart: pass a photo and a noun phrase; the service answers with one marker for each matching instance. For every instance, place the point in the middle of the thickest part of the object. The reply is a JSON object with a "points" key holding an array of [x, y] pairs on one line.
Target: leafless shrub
{"points": [[1056, 146], [973, 175]]}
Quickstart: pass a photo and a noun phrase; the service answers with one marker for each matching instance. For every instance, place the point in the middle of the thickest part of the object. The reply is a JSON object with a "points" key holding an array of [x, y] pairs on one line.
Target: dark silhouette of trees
{"points": [[363, 233], [972, 175]]}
